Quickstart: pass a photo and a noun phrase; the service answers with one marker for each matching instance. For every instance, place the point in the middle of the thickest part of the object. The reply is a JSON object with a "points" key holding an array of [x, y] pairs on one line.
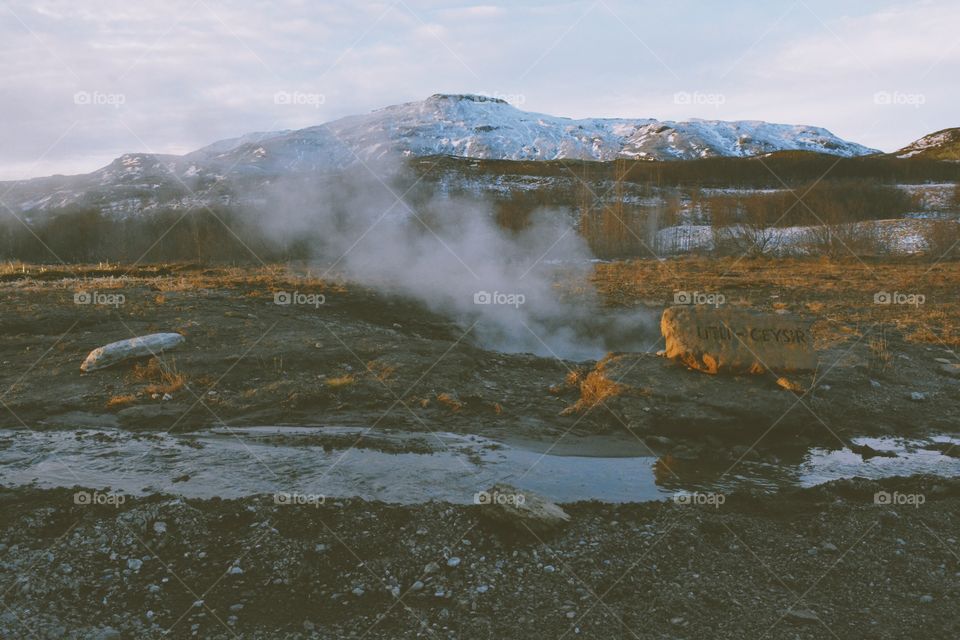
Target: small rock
{"points": [[159, 528], [918, 396], [828, 546], [134, 564], [431, 567], [416, 586], [235, 571], [801, 616], [357, 591], [453, 562], [951, 369], [926, 599], [571, 615]]}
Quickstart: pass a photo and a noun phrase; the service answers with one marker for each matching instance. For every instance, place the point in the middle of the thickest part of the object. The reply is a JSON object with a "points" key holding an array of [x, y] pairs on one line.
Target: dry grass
{"points": [[340, 381], [450, 401], [880, 356], [117, 402], [595, 388], [838, 293], [381, 370], [160, 377]]}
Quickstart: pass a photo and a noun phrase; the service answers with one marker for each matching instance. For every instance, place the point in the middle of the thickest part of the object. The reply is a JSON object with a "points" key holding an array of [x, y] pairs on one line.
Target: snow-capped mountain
{"points": [[480, 127], [941, 145], [469, 126]]}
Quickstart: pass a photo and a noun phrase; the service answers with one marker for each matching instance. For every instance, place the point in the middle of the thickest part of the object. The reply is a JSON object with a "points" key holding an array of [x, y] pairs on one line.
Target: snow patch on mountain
{"points": [[488, 128]]}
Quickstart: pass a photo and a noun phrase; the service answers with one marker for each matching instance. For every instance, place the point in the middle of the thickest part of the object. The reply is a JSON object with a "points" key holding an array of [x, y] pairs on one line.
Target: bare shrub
{"points": [[845, 239], [746, 226], [942, 239]]}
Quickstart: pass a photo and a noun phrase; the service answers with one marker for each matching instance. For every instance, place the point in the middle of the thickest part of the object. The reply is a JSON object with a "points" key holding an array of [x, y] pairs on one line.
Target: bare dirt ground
{"points": [[818, 563]]}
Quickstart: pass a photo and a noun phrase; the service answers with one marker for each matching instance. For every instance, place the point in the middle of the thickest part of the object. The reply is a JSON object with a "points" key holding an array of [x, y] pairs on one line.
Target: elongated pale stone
{"points": [[718, 340], [115, 352]]}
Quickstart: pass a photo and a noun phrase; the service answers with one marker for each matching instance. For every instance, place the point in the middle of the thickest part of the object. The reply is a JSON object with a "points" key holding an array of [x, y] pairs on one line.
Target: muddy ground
{"points": [[825, 562], [365, 359]]}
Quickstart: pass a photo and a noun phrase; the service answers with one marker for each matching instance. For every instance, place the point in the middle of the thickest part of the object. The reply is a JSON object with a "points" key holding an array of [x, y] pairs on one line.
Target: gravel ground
{"points": [[825, 562]]}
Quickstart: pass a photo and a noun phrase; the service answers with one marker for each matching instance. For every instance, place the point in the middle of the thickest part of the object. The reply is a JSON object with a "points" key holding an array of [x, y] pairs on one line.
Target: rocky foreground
{"points": [[826, 562]]}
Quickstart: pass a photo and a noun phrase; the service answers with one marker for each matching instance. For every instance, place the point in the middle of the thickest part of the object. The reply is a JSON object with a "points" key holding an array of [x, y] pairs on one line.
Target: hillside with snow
{"points": [[941, 145], [469, 126]]}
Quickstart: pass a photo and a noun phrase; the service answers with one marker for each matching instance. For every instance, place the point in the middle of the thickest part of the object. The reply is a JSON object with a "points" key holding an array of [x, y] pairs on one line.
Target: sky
{"points": [[84, 82]]}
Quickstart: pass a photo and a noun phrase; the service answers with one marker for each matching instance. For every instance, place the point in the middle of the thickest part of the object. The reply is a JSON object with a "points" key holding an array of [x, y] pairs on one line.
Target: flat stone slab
{"points": [[115, 352], [724, 340], [521, 509]]}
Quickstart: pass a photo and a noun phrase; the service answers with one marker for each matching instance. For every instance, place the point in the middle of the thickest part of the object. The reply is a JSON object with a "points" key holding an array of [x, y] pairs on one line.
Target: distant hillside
{"points": [[942, 145]]}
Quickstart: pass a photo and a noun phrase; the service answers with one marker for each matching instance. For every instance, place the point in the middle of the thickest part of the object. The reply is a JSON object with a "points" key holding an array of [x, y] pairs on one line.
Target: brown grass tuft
{"points": [[341, 381], [595, 389], [450, 401], [117, 402], [161, 378]]}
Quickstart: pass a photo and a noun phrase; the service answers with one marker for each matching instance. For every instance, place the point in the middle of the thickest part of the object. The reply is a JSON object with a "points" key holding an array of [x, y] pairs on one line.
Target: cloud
{"points": [[194, 72]]}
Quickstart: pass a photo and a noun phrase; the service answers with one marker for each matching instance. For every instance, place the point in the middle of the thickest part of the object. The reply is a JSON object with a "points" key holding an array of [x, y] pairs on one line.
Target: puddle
{"points": [[912, 457], [447, 467]]}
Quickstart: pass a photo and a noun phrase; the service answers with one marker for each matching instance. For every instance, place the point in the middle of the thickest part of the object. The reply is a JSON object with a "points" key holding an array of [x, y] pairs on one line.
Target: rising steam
{"points": [[376, 227]]}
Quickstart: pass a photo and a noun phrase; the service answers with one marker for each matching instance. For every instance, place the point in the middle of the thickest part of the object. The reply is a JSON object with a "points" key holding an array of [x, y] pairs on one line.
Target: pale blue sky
{"points": [[170, 76]]}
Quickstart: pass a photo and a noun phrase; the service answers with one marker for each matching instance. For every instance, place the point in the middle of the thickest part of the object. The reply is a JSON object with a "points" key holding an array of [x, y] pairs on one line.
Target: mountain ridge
{"points": [[461, 125]]}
